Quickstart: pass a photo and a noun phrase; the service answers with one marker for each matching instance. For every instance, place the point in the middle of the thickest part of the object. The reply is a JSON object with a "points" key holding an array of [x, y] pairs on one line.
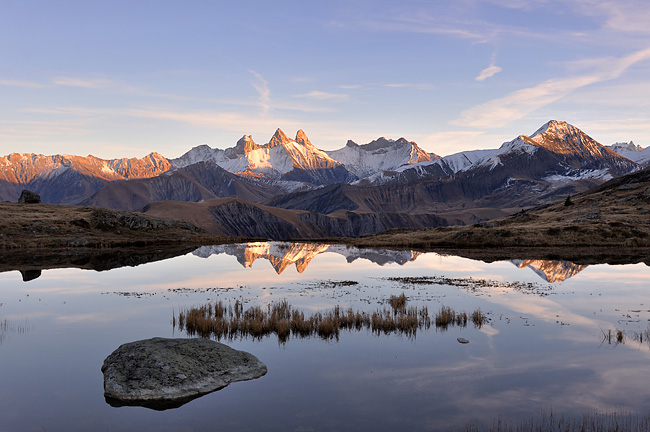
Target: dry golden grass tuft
{"points": [[222, 321]]}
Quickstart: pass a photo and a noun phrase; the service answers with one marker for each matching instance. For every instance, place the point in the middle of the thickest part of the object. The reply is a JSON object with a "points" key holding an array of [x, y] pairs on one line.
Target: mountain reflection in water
{"points": [[575, 347], [551, 271], [282, 255]]}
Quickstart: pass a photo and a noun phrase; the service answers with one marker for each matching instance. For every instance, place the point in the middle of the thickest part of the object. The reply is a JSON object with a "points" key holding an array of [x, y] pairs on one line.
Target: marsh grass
{"points": [[478, 319], [398, 303], [7, 327], [548, 422], [447, 317], [222, 321], [615, 336]]}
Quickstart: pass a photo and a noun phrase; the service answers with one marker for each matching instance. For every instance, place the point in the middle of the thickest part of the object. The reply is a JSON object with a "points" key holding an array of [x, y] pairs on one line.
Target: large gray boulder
{"points": [[164, 373]]}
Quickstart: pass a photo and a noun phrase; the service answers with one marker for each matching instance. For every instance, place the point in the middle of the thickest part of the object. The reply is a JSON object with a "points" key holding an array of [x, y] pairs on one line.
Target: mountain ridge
{"points": [[407, 188]]}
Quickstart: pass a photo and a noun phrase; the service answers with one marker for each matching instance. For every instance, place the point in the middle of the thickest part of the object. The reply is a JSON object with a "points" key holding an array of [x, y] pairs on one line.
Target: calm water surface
{"points": [[542, 350]]}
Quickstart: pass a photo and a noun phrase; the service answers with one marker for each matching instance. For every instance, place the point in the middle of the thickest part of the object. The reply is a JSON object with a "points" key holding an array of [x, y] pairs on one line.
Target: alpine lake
{"points": [[558, 340]]}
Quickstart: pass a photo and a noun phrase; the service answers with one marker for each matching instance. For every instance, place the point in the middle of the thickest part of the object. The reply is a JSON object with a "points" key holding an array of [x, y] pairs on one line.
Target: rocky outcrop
{"points": [[278, 138], [109, 220], [29, 197], [164, 373]]}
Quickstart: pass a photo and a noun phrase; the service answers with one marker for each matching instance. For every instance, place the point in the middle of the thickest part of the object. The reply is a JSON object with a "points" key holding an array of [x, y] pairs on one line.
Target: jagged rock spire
{"points": [[246, 144], [279, 138], [301, 138]]}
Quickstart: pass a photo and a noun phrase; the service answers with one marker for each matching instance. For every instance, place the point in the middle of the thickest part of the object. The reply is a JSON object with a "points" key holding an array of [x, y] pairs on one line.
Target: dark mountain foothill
{"points": [[609, 221]]}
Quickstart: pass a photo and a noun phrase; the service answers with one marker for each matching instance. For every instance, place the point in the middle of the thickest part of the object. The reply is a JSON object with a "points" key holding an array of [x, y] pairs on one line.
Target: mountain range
{"points": [[288, 188]]}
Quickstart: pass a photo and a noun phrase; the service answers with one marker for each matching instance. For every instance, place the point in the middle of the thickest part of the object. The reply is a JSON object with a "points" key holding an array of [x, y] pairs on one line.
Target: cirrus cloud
{"points": [[516, 105], [321, 95], [488, 72]]}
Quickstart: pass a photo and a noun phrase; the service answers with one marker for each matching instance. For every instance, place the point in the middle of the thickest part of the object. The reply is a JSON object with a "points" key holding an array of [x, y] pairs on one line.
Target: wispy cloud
{"points": [[608, 21], [455, 23], [625, 16], [321, 95], [488, 72], [112, 85], [22, 84], [516, 105], [426, 24], [229, 121], [30, 129], [418, 86], [96, 83], [262, 87]]}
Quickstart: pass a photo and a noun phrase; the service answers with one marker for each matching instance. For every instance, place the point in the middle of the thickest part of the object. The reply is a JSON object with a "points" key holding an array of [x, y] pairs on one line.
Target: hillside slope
{"points": [[614, 215], [235, 217], [25, 226], [197, 182]]}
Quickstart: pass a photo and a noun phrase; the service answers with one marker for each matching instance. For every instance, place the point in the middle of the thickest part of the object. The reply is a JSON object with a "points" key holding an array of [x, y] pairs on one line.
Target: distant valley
{"points": [[289, 189]]}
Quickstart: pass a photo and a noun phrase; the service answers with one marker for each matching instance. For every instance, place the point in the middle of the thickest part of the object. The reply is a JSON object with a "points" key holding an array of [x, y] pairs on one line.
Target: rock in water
{"points": [[29, 275], [164, 373], [29, 197]]}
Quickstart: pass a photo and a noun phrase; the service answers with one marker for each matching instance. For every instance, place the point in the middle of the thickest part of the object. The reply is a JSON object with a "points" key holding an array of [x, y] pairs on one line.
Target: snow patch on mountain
{"points": [[602, 174], [625, 147], [577, 156], [279, 156], [201, 153], [379, 155], [633, 152], [464, 161]]}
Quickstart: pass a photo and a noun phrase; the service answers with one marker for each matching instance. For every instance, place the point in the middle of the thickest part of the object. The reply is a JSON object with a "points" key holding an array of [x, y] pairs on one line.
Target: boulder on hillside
{"points": [[29, 197], [164, 373]]}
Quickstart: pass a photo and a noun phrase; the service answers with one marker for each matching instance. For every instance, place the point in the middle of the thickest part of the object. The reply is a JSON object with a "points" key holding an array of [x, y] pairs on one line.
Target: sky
{"points": [[123, 79]]}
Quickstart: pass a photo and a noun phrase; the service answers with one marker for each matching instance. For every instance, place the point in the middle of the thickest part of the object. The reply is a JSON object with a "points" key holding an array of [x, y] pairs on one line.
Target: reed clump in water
{"points": [[229, 321], [589, 422], [398, 303], [616, 336], [8, 327], [478, 318]]}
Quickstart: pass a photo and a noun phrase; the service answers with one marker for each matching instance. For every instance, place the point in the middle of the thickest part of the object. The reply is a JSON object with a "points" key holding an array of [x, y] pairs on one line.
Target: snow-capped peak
{"points": [[633, 152], [273, 160], [625, 147], [379, 155], [563, 138], [557, 127]]}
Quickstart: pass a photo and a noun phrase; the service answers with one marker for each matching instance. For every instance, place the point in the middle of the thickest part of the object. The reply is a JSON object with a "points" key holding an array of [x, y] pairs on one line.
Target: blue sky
{"points": [[122, 79]]}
